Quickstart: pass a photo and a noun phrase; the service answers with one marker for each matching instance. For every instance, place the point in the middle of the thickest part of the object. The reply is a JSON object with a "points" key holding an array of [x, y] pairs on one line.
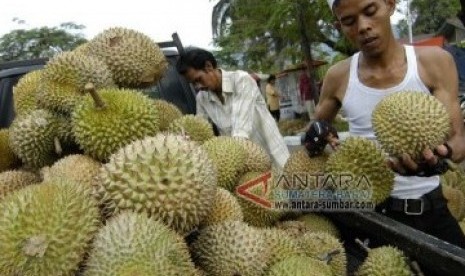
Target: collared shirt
{"points": [[272, 97], [244, 114]]}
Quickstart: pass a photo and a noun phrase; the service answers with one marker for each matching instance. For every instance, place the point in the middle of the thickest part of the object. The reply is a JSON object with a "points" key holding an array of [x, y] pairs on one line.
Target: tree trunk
{"points": [[306, 45]]}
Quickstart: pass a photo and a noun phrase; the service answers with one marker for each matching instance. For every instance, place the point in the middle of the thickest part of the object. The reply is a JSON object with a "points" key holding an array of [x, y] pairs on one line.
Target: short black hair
{"points": [[271, 78], [195, 58]]}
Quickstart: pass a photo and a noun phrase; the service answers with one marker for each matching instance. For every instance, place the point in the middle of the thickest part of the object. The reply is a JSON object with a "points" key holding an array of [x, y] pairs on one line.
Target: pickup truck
{"points": [[434, 256]]}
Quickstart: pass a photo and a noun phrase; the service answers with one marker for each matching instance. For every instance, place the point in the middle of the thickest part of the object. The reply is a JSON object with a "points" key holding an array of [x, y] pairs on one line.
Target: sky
{"points": [[191, 19], [159, 19]]}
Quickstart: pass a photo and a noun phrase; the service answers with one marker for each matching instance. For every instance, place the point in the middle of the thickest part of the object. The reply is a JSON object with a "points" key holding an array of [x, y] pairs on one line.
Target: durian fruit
{"points": [[45, 229], [462, 226], [35, 138], [322, 245], [254, 213], [13, 180], [302, 172], [131, 243], [281, 245], [300, 266], [225, 207], [168, 176], [230, 248], [8, 159], [195, 127], [455, 201], [79, 168], [135, 60], [167, 111], [82, 49], [109, 119], [310, 222], [258, 159], [64, 79], [410, 122], [229, 157], [25, 92], [359, 168], [384, 261]]}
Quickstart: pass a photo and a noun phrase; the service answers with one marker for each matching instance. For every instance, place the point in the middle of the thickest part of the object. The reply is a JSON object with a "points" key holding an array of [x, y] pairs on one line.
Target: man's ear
{"points": [[391, 5], [208, 66]]}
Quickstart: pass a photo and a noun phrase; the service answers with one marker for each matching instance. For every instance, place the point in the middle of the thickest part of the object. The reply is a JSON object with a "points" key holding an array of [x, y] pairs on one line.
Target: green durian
{"points": [[384, 261], [109, 119], [14, 180], [167, 111], [408, 122], [359, 167], [135, 60], [167, 176], [195, 127], [45, 229], [25, 92], [225, 207], [300, 266], [8, 159], [131, 243], [64, 78], [231, 248]]}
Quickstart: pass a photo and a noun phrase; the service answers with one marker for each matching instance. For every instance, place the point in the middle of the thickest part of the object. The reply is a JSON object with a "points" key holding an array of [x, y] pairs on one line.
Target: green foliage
{"points": [[263, 35], [428, 16], [40, 42]]}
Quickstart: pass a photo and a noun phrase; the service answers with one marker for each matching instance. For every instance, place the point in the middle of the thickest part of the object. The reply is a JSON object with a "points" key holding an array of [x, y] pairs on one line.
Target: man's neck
{"points": [[385, 59]]}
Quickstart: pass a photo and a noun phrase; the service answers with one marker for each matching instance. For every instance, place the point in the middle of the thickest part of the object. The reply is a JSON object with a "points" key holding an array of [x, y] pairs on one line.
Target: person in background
{"points": [[233, 102], [272, 97], [306, 94]]}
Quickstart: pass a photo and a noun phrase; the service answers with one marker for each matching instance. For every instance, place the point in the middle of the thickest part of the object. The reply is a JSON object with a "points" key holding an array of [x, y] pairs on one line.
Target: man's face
{"points": [[205, 79], [366, 23]]}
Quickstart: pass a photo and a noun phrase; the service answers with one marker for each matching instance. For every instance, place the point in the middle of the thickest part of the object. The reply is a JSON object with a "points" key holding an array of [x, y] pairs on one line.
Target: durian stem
{"points": [[58, 148], [328, 257], [417, 269], [90, 88], [362, 245]]}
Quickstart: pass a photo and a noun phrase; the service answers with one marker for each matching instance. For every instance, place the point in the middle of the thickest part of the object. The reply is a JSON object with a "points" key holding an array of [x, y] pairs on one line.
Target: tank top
{"points": [[358, 104]]}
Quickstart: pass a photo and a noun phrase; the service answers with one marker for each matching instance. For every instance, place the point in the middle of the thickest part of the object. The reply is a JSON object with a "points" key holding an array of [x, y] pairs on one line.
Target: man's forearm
{"points": [[457, 144]]}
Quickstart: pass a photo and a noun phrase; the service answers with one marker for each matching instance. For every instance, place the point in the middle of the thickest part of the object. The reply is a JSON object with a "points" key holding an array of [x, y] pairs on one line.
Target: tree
{"points": [[265, 34], [40, 42], [428, 16]]}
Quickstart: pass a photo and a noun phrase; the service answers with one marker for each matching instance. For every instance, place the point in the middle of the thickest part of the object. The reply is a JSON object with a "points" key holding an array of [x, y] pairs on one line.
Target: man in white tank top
{"points": [[382, 67]]}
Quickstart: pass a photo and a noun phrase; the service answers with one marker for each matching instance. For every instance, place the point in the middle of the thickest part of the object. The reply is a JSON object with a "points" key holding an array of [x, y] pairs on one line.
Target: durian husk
{"points": [[132, 243], [385, 260], [256, 214], [324, 246], [168, 176], [8, 159], [281, 245], [359, 168], [195, 127], [45, 229], [34, 138], [64, 78], [167, 111], [302, 172], [408, 122], [258, 159], [13, 180], [135, 60], [127, 115], [229, 157], [230, 248], [310, 222], [25, 92], [225, 207], [455, 201], [79, 168], [300, 266]]}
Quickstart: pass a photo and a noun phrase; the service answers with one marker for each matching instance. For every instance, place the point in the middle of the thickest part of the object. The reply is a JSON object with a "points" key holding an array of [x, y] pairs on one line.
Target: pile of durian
{"points": [[96, 178]]}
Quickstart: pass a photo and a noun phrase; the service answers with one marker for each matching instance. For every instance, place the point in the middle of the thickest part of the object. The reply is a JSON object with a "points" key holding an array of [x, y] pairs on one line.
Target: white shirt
{"points": [[244, 114]]}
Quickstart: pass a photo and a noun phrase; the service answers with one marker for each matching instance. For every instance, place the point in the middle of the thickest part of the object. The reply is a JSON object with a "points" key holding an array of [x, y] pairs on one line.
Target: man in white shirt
{"points": [[233, 102]]}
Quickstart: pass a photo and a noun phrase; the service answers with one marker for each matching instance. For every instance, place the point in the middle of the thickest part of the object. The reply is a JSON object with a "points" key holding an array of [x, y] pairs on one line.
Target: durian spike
{"points": [[35, 246], [90, 88], [58, 148], [416, 267], [363, 245]]}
